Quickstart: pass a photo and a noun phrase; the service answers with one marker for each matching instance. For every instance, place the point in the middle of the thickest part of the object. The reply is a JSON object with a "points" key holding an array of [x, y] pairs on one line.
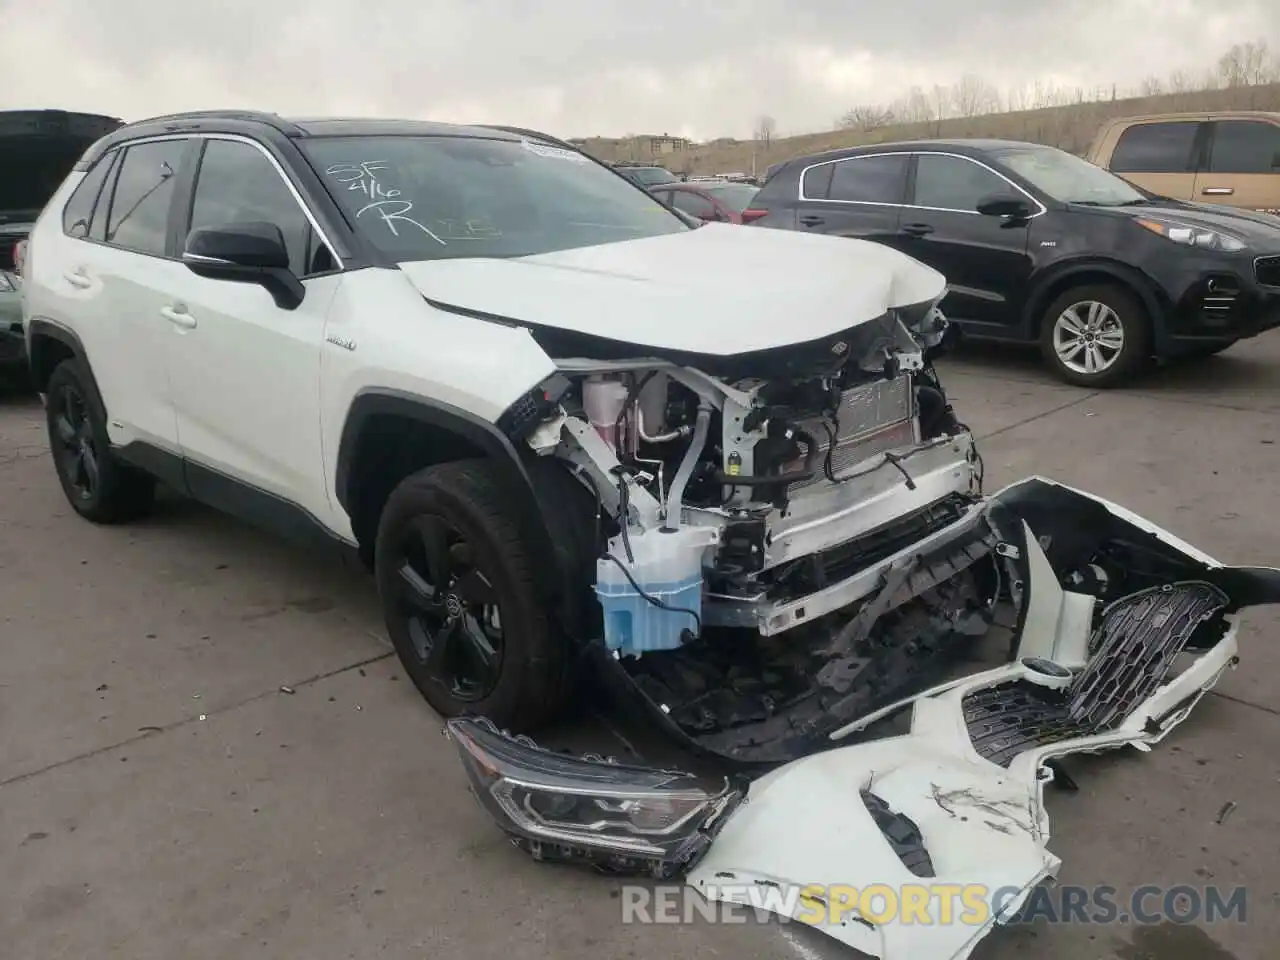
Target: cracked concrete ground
{"points": [[160, 796]]}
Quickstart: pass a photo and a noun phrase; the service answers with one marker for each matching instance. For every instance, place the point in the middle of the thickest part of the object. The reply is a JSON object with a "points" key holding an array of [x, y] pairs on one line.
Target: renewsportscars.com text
{"points": [[937, 903]]}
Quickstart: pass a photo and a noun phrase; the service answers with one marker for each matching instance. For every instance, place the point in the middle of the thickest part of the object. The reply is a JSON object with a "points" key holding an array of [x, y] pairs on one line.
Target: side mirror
{"points": [[1004, 205], [245, 253]]}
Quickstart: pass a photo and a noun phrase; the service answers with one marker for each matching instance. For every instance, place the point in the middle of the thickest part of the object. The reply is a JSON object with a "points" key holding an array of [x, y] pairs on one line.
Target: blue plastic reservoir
{"points": [[633, 625]]}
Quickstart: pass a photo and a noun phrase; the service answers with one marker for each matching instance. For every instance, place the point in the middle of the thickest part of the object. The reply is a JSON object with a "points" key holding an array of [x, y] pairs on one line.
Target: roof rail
{"points": [[257, 116], [526, 132]]}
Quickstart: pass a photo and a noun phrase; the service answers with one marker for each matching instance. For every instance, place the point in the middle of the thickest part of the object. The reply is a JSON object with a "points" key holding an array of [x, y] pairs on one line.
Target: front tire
{"points": [[460, 601], [1096, 336], [99, 487]]}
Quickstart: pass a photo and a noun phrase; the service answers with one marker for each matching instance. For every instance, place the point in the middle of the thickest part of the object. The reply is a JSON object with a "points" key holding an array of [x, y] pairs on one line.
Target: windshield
{"points": [[1067, 178], [431, 198], [736, 196]]}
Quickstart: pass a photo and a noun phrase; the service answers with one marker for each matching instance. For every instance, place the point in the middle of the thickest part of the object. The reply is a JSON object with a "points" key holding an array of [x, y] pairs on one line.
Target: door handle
{"points": [[78, 279], [809, 220], [917, 229], [178, 317], [1218, 191]]}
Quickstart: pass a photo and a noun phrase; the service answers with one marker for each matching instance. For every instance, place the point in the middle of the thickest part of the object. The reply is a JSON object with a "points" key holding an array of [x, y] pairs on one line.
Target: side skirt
{"points": [[252, 505]]}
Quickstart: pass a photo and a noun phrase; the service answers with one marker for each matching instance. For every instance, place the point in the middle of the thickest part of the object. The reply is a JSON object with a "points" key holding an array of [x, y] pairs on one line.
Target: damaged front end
{"points": [[782, 541], [1115, 630]]}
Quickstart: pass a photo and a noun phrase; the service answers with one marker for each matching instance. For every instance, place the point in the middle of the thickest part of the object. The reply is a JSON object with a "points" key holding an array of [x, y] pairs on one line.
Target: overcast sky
{"points": [[584, 67]]}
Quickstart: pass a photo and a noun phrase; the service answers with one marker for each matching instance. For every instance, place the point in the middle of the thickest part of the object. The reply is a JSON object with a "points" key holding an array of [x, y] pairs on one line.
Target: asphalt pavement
{"points": [[162, 797]]}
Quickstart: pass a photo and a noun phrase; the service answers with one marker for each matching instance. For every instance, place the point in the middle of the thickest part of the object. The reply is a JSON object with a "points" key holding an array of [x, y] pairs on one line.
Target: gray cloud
{"points": [[582, 67]]}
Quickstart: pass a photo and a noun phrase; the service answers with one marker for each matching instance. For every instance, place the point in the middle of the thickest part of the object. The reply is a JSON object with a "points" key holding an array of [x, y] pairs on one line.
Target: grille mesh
{"points": [[1267, 271], [1135, 646]]}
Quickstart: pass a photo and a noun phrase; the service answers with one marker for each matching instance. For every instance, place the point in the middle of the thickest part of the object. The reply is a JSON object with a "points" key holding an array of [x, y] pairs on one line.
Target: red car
{"points": [[721, 200]]}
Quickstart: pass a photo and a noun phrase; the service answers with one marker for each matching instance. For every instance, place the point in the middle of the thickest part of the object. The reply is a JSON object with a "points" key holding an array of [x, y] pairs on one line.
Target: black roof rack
{"points": [[251, 116]]}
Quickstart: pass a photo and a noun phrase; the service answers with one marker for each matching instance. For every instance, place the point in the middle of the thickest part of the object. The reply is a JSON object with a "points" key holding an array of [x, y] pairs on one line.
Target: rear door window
{"points": [[1245, 146], [1167, 147], [138, 218], [879, 179]]}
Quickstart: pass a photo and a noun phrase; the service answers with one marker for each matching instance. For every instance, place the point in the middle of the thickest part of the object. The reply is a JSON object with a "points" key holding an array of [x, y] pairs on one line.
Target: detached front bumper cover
{"points": [[616, 817], [1122, 628]]}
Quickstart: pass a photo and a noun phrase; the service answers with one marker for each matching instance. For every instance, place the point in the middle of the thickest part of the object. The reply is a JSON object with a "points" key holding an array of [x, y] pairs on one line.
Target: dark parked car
{"points": [[646, 175], [722, 200], [1039, 245], [39, 148]]}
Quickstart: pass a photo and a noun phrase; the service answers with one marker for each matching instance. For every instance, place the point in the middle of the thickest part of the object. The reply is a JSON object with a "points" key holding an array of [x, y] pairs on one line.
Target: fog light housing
{"points": [[620, 818]]}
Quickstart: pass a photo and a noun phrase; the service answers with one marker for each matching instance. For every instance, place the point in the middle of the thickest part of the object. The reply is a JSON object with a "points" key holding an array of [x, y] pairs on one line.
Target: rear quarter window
{"points": [[77, 215]]}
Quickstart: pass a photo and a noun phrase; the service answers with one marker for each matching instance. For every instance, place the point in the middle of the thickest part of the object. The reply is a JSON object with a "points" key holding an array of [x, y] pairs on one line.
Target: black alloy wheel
{"points": [[74, 447], [462, 600], [452, 610], [98, 486]]}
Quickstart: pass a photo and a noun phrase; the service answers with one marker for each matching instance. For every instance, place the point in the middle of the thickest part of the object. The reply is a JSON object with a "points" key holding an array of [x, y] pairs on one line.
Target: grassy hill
{"points": [[1068, 127]]}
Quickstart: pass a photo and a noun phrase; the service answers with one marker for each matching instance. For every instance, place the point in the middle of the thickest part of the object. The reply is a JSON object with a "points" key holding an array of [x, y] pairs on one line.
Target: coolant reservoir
{"points": [[602, 401], [667, 566]]}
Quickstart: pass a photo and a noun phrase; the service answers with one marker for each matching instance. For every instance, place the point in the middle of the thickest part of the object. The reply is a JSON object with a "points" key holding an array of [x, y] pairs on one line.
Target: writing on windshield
{"points": [[440, 196], [384, 201]]}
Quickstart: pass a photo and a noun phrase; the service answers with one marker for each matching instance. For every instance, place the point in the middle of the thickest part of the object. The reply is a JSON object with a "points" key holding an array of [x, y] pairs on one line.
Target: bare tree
{"points": [[1181, 81], [972, 96], [914, 107], [1245, 64], [1257, 63], [1152, 87], [765, 128], [867, 118], [940, 101], [1048, 95], [1018, 99]]}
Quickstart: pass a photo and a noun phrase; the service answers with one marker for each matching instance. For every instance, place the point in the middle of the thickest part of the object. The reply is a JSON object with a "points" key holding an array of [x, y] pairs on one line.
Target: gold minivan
{"points": [[1227, 157]]}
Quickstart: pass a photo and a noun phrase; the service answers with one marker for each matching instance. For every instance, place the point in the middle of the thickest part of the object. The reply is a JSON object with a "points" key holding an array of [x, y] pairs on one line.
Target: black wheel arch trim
{"points": [[479, 432], [38, 328], [1131, 277]]}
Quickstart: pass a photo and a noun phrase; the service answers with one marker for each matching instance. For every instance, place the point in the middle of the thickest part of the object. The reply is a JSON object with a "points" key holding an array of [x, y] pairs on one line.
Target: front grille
{"points": [[872, 419], [1267, 271], [1133, 650]]}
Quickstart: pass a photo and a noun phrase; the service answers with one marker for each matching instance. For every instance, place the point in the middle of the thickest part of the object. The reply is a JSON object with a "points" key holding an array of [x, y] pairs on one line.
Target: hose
{"points": [[676, 495]]}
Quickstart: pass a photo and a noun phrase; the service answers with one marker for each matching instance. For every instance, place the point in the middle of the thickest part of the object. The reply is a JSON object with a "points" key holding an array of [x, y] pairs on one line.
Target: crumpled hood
{"points": [[719, 289]]}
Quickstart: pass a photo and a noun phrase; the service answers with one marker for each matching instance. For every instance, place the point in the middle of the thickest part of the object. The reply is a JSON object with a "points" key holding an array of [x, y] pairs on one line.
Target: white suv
{"points": [[555, 417], [567, 427]]}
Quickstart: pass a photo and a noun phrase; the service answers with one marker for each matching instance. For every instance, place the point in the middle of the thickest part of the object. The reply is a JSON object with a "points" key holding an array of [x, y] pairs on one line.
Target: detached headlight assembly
{"points": [[1192, 236], [625, 819]]}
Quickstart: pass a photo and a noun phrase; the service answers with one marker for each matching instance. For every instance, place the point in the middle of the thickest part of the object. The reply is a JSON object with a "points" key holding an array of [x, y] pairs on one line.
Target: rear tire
{"points": [[1096, 336], [460, 601], [99, 487]]}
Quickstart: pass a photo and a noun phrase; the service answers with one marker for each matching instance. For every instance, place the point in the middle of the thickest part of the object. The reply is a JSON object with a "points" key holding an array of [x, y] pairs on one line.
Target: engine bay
{"points": [[778, 552]]}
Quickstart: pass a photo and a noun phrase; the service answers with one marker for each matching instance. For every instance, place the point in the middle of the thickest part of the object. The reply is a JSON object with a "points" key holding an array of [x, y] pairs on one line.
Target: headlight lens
{"points": [[1192, 236], [559, 807]]}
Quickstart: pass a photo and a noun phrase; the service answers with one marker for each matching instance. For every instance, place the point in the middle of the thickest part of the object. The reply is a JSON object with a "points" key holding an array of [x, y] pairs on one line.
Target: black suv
{"points": [[1040, 245]]}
